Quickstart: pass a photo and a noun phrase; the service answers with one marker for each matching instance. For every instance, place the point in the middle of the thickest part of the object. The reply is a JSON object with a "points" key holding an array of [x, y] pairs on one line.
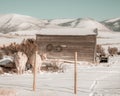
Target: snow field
{"points": [[98, 80]]}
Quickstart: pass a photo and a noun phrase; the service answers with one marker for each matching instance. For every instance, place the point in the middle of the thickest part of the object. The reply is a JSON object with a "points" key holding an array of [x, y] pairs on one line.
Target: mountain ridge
{"points": [[17, 22], [113, 24]]}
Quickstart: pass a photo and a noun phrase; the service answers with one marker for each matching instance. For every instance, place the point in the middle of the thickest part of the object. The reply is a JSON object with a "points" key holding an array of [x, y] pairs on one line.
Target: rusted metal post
{"points": [[75, 75], [35, 73]]}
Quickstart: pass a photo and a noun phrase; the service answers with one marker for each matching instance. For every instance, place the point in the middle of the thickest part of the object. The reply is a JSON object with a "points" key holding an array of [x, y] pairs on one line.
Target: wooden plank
{"points": [[75, 75], [65, 40], [34, 74], [74, 38]]}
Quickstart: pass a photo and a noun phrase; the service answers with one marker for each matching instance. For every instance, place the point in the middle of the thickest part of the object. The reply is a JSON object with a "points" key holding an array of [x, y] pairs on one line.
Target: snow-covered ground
{"points": [[108, 39], [100, 80]]}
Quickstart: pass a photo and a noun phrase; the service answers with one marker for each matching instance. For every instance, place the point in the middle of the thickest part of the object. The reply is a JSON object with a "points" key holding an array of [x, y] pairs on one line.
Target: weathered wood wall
{"points": [[84, 45]]}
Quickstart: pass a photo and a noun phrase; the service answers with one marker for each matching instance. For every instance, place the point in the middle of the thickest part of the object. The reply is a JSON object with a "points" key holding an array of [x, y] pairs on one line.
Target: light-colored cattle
{"points": [[38, 61], [20, 62]]}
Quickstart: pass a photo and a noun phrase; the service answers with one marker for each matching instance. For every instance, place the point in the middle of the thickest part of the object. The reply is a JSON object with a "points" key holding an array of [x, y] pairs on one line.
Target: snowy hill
{"points": [[86, 23], [15, 22], [113, 24], [60, 21]]}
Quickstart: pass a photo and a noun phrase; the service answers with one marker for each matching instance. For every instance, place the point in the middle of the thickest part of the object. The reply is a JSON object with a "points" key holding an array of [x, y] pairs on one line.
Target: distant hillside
{"points": [[113, 24], [16, 22], [83, 23]]}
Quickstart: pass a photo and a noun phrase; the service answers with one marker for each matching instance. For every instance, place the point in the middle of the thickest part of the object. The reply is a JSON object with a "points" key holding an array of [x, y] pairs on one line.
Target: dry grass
{"points": [[7, 92]]}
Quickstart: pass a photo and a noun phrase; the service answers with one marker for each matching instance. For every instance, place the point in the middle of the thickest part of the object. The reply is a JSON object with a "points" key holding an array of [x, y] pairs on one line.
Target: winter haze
{"points": [[23, 19], [15, 28]]}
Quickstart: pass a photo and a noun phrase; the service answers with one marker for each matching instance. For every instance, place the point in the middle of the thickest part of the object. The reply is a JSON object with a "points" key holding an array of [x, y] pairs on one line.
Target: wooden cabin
{"points": [[63, 43]]}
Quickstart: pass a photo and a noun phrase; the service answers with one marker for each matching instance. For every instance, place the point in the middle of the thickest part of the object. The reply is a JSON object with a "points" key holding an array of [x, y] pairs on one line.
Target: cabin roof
{"points": [[66, 31]]}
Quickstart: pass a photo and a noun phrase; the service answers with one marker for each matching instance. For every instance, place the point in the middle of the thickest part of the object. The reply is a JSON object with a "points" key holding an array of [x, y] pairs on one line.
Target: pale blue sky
{"points": [[51, 9]]}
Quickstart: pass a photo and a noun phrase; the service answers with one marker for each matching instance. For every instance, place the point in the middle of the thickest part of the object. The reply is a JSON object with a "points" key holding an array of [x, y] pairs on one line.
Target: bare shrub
{"points": [[118, 52], [112, 50], [1, 56], [100, 50], [28, 46]]}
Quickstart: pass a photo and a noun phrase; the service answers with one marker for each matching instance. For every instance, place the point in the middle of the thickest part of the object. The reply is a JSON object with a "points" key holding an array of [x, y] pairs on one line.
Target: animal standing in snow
{"points": [[39, 60], [20, 62]]}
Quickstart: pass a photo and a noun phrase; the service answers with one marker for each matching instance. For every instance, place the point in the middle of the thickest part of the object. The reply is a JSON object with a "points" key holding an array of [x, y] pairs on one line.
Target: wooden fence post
{"points": [[35, 73], [75, 75]]}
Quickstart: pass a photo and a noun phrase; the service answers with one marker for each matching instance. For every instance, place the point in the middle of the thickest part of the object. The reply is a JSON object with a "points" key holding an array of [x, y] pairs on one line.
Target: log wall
{"points": [[84, 45]]}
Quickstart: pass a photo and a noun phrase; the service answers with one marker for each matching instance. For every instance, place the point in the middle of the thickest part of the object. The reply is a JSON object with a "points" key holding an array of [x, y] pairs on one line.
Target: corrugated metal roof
{"points": [[66, 31]]}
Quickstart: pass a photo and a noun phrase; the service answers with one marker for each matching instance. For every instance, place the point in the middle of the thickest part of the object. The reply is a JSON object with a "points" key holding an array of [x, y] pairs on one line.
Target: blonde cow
{"points": [[20, 62], [38, 61]]}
